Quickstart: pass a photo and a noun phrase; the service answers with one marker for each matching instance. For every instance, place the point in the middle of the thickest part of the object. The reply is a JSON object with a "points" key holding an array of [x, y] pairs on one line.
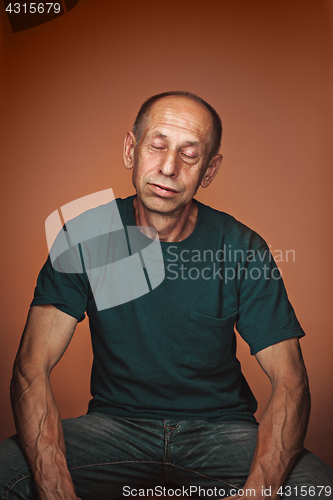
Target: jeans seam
{"points": [[16, 482], [74, 467], [154, 462], [165, 463], [173, 428], [166, 449], [203, 475], [167, 452], [115, 463]]}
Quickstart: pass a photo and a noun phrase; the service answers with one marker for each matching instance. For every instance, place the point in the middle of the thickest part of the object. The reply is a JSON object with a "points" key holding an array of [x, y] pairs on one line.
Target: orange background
{"points": [[70, 91]]}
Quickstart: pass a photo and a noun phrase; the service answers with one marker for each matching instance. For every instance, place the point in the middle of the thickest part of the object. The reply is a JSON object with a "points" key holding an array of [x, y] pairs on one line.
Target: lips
{"points": [[163, 191], [166, 188]]}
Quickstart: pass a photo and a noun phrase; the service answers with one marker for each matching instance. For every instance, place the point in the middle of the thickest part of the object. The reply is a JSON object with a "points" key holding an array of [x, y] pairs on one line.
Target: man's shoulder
{"points": [[235, 231]]}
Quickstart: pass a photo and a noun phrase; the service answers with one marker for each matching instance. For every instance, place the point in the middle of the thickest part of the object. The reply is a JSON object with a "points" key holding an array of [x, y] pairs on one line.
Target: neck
{"points": [[170, 227]]}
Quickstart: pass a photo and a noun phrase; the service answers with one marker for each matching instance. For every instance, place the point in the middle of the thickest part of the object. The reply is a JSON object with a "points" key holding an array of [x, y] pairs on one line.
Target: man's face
{"points": [[171, 158]]}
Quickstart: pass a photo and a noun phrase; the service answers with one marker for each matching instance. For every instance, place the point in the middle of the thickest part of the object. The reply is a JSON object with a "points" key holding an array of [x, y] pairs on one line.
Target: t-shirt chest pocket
{"points": [[208, 342]]}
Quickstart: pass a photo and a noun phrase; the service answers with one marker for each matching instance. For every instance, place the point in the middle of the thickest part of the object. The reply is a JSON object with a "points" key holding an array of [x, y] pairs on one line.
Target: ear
{"points": [[211, 171], [129, 148]]}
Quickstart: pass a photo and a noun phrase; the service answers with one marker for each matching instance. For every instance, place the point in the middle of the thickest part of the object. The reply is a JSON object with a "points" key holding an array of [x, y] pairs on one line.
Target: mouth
{"points": [[164, 188], [163, 191]]}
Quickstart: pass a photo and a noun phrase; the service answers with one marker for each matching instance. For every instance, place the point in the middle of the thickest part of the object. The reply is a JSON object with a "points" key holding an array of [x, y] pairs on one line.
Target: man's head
{"points": [[142, 118], [172, 150]]}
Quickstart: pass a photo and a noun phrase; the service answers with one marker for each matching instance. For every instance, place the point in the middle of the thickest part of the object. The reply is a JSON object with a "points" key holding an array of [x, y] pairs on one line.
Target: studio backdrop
{"points": [[72, 81]]}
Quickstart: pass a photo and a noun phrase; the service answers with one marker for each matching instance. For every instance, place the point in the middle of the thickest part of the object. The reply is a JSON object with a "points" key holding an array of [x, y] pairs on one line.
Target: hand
{"points": [[60, 488], [67, 496]]}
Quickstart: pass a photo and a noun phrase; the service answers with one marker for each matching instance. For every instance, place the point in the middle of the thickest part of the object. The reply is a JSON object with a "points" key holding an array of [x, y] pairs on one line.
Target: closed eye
{"points": [[190, 160]]}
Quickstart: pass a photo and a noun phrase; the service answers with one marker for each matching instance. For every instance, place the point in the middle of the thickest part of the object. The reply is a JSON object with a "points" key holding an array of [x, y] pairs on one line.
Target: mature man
{"points": [[170, 404]]}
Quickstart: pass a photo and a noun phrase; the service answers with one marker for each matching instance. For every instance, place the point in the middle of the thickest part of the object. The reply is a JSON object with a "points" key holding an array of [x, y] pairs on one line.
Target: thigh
{"points": [[106, 454], [15, 474], [212, 455], [103, 455], [214, 459], [310, 478]]}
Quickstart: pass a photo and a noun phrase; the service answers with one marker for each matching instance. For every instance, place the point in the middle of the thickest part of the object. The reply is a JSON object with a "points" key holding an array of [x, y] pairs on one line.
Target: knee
{"points": [[15, 475], [311, 474]]}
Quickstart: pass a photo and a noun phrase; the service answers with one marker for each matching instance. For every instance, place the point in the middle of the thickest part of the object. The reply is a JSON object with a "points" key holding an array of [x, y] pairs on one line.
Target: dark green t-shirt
{"points": [[171, 352]]}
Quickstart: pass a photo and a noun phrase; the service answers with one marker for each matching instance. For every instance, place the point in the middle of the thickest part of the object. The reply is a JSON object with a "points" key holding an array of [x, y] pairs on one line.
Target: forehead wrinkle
{"points": [[165, 136], [179, 117], [155, 132], [183, 124]]}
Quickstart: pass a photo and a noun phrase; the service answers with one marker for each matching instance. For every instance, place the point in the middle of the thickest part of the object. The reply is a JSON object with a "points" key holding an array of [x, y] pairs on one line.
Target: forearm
{"points": [[40, 432], [281, 434]]}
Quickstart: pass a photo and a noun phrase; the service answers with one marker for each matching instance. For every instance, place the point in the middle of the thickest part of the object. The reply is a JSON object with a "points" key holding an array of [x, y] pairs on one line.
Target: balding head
{"points": [[214, 138]]}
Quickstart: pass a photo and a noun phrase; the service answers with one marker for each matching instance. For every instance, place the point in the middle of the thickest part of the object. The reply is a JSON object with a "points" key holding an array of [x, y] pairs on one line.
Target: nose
{"points": [[168, 166]]}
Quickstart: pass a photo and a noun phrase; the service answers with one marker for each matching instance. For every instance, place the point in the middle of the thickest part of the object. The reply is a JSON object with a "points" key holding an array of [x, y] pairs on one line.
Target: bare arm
{"points": [[283, 425], [46, 336]]}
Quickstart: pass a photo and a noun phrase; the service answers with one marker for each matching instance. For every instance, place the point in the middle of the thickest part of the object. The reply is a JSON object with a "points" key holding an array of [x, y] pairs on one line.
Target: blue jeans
{"points": [[111, 457]]}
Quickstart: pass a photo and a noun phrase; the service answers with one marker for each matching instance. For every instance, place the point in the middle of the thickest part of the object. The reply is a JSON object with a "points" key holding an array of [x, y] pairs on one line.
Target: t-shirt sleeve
{"points": [[266, 316], [66, 291]]}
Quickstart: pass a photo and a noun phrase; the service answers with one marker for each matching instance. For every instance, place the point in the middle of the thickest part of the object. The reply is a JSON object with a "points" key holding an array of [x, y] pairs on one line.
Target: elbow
{"points": [[25, 373], [18, 381]]}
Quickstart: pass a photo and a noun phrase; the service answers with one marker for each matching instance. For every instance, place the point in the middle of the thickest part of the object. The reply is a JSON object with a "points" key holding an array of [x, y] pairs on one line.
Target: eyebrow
{"points": [[187, 143], [192, 143], [159, 134]]}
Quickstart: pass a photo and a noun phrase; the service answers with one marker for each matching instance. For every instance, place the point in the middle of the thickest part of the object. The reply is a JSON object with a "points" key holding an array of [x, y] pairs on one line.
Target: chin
{"points": [[160, 205]]}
